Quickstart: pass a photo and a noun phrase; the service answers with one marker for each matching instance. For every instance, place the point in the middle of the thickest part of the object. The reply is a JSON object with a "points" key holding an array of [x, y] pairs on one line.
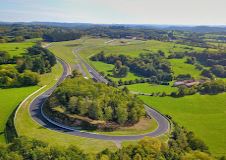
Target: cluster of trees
{"points": [[23, 71], [5, 57], [148, 148], [120, 70], [213, 87], [216, 62], [128, 32], [184, 90], [10, 77], [182, 77], [56, 35], [177, 55], [182, 145], [219, 70], [37, 59], [4, 39], [61, 32], [148, 65], [54, 32], [209, 87], [29, 149], [96, 101], [20, 32]]}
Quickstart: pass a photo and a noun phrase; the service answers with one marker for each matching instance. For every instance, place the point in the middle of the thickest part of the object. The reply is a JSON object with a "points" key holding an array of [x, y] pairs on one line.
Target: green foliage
{"points": [[183, 90], [76, 73], [213, 87], [120, 70], [207, 73], [57, 35], [23, 149], [147, 65], [151, 148], [10, 77], [37, 59], [184, 77], [219, 70], [8, 105], [4, 57], [97, 101]]}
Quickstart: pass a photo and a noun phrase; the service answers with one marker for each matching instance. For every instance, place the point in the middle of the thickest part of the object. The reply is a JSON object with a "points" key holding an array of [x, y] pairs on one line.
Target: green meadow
{"points": [[16, 49], [151, 88], [205, 115], [9, 99], [180, 67], [136, 47]]}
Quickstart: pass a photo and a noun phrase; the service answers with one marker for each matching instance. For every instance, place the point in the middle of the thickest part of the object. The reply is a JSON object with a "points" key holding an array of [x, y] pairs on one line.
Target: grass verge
{"points": [[145, 125]]}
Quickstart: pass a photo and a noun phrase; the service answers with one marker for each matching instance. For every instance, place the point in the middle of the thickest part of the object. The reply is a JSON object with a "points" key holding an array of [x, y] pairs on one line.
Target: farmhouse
{"points": [[188, 83]]}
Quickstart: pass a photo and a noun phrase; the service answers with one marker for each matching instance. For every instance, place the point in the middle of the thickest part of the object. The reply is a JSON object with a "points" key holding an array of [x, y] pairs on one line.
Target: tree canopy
{"points": [[96, 101]]}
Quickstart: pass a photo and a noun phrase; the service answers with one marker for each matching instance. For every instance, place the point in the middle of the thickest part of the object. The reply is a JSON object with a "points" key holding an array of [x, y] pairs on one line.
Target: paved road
{"points": [[37, 115], [93, 73]]}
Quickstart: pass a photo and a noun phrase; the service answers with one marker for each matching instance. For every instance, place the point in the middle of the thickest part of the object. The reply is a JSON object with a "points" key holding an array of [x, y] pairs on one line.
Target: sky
{"points": [[178, 12]]}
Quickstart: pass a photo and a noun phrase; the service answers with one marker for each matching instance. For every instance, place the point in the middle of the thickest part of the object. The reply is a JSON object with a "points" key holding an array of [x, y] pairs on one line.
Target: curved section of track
{"points": [[38, 116]]}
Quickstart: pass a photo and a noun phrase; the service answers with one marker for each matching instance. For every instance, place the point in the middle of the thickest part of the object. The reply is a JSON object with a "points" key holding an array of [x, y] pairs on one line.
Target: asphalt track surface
{"points": [[36, 113]]}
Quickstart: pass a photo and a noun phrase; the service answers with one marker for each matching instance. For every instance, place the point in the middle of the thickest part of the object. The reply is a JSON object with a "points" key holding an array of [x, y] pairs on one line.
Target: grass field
{"points": [[203, 114], [180, 67], [151, 88], [16, 49], [107, 69], [9, 99], [136, 47]]}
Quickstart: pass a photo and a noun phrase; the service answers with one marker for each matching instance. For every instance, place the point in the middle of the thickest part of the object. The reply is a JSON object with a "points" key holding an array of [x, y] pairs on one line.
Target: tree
{"points": [[28, 78], [219, 71], [122, 115], [4, 57], [207, 73], [197, 155], [118, 64], [76, 73], [108, 113]]}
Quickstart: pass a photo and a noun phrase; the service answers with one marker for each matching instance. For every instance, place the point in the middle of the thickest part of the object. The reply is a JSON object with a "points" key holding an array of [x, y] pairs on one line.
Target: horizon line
{"points": [[150, 24]]}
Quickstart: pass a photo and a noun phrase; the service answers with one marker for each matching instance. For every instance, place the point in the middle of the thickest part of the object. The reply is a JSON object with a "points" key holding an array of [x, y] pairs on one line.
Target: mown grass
{"points": [[151, 88], [205, 115], [135, 47], [9, 99], [180, 67], [64, 50], [145, 125], [16, 49]]}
